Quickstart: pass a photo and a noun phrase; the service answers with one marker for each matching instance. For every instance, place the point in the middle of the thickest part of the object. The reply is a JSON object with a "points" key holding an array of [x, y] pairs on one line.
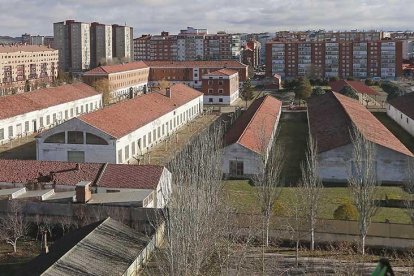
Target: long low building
{"points": [[251, 137], [366, 94], [120, 132], [401, 110], [122, 79], [331, 119], [26, 113], [91, 183]]}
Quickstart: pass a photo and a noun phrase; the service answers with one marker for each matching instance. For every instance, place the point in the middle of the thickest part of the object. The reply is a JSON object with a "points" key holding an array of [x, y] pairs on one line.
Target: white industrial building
{"points": [[251, 137], [331, 118], [401, 110], [30, 112], [120, 132]]}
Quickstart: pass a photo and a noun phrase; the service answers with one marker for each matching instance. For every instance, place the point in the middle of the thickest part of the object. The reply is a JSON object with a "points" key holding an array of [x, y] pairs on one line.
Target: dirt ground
{"points": [[10, 262], [23, 148]]}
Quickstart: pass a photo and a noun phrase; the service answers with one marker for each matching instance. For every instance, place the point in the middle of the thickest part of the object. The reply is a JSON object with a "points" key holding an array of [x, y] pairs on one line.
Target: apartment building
{"points": [[190, 44], [26, 67], [190, 72], [101, 44], [83, 46], [72, 39], [122, 45], [334, 59], [220, 87], [250, 53], [122, 78]]}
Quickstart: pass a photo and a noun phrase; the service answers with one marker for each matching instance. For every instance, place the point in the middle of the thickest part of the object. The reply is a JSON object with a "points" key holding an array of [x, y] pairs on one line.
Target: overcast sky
{"points": [[153, 16]]}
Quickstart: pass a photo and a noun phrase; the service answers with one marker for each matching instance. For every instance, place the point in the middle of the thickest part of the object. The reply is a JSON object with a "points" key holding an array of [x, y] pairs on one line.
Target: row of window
{"points": [[142, 143]]}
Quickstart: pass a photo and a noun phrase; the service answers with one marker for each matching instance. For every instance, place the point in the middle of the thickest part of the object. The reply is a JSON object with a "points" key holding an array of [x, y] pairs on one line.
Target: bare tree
{"points": [[409, 187], [13, 226], [311, 187], [104, 87], [362, 181], [193, 218]]}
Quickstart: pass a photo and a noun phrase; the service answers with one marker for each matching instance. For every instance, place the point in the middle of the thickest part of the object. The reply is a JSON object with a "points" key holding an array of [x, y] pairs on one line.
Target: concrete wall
{"points": [[48, 117], [251, 160], [335, 164], [59, 152], [403, 120]]}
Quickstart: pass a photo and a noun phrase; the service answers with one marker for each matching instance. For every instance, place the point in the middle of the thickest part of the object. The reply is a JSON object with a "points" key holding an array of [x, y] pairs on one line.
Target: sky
{"points": [[244, 16]]}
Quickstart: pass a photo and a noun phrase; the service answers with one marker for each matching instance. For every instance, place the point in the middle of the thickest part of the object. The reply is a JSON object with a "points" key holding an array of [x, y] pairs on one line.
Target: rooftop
{"points": [[222, 72], [69, 173], [405, 104], [121, 119], [332, 116], [253, 129], [24, 48], [14, 105], [116, 68], [358, 86], [200, 64]]}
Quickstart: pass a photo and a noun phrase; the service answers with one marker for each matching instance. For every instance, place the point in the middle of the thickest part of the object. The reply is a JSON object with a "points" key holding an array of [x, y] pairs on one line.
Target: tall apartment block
{"points": [[101, 44], [189, 45], [334, 59], [83, 46], [26, 67], [122, 42]]}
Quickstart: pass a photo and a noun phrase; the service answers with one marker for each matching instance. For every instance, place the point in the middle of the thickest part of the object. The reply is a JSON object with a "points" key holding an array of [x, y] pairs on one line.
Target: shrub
{"points": [[346, 211]]}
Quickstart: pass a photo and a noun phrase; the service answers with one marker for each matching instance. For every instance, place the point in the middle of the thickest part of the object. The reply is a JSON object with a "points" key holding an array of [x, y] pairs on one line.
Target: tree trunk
{"points": [[297, 252], [312, 238], [267, 230], [363, 244], [15, 247]]}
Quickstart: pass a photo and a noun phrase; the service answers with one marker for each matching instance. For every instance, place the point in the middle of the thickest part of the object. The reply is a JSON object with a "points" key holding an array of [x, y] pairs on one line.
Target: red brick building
{"points": [[251, 53], [220, 87]]}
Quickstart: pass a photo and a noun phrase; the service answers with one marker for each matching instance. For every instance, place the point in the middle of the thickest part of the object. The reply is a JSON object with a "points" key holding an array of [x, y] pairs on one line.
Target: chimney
{"points": [[44, 246], [77, 167], [168, 92], [83, 192]]}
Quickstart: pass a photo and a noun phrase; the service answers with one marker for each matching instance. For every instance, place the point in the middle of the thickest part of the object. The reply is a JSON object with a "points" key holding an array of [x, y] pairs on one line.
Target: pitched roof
{"points": [[69, 173], [222, 72], [103, 248], [14, 105], [358, 86], [332, 116], [24, 48], [121, 119], [255, 126], [200, 64], [405, 104], [109, 69]]}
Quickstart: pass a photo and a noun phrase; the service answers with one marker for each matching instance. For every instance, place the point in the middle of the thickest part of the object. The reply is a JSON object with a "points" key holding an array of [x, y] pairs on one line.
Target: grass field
{"points": [[243, 199], [398, 131]]}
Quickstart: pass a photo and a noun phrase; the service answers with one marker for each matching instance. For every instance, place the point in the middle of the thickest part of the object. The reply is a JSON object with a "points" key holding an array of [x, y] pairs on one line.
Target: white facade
{"points": [[28, 123], [400, 118], [111, 149], [225, 100]]}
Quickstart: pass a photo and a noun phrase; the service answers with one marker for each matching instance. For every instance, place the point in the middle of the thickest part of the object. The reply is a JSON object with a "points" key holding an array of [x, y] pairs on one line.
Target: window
{"points": [[220, 82], [41, 121], [154, 135], [149, 138], [71, 112], [93, 139], [220, 91], [48, 120], [210, 91], [159, 132], [120, 156], [401, 116], [54, 117], [236, 167], [76, 156], [220, 100], [26, 126], [81, 109], [133, 148], [1, 134], [75, 137], [126, 153], [58, 138], [407, 120], [210, 100], [66, 114], [10, 131], [144, 141]]}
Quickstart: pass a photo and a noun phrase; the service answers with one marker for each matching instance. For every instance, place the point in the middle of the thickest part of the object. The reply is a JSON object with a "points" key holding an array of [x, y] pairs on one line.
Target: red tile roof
{"points": [[405, 104], [358, 86], [200, 64], [222, 72], [121, 119], [131, 176], [24, 48], [255, 126], [14, 105], [332, 115], [109, 69], [66, 173]]}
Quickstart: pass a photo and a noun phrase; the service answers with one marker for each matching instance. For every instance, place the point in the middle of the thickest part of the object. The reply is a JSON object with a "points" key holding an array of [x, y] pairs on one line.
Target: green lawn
{"points": [[398, 131], [242, 197], [293, 135]]}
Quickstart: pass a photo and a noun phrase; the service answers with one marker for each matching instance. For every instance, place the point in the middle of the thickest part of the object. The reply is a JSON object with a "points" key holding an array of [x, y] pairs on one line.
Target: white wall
{"points": [[236, 152], [404, 121], [226, 100], [38, 120]]}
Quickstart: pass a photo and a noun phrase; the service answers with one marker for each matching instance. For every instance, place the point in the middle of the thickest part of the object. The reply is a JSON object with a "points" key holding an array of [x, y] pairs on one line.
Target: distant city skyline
{"points": [[153, 16]]}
